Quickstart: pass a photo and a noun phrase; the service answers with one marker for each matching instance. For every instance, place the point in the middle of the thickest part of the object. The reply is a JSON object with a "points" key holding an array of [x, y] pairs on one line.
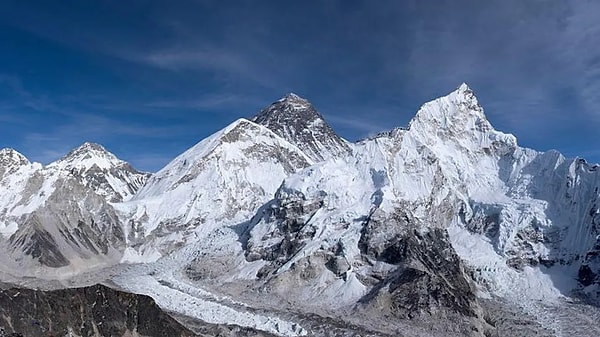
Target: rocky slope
{"points": [[94, 311]]}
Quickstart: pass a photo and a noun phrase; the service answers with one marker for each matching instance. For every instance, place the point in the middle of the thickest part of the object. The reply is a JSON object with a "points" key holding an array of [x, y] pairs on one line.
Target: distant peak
{"points": [[7, 151], [89, 149], [465, 94], [459, 117], [87, 155], [296, 120], [463, 87], [459, 110], [12, 156], [88, 146], [294, 101], [291, 97], [290, 107], [237, 124]]}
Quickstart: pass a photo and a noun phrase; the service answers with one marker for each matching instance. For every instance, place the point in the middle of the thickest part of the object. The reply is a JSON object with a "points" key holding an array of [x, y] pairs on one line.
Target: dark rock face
{"points": [[74, 222], [290, 215], [297, 121], [589, 271], [40, 244], [424, 276], [586, 276], [429, 278], [91, 311], [485, 224]]}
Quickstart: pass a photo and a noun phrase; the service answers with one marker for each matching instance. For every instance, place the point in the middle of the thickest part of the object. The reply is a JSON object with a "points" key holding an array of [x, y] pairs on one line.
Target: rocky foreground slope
{"points": [[91, 311]]}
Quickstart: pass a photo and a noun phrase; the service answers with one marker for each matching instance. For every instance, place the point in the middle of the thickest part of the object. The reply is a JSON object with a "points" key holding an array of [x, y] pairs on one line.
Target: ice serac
{"points": [[218, 182], [296, 120]]}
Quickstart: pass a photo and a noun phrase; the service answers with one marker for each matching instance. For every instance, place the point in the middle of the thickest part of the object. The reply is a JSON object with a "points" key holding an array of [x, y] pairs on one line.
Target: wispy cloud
{"points": [[226, 64], [580, 52], [23, 96], [531, 60], [206, 102], [535, 65], [362, 126], [57, 140], [208, 58]]}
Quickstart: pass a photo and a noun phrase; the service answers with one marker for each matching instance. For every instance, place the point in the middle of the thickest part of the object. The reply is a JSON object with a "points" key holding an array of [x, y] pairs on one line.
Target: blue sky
{"points": [[148, 79]]}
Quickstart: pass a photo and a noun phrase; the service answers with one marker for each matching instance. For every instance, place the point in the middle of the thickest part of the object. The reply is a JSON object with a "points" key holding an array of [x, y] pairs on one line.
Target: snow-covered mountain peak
{"points": [[11, 157], [458, 118], [463, 87], [93, 166], [87, 156], [460, 108], [297, 121], [11, 161], [186, 160], [230, 144], [89, 148], [239, 126], [295, 101], [220, 181], [289, 108]]}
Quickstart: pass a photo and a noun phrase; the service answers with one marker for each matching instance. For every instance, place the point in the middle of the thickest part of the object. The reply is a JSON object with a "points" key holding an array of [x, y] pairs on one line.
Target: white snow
{"points": [[220, 181], [450, 168]]}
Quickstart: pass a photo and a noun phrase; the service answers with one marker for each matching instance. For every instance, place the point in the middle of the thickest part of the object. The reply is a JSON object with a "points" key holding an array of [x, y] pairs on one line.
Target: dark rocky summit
{"points": [[297, 121]]}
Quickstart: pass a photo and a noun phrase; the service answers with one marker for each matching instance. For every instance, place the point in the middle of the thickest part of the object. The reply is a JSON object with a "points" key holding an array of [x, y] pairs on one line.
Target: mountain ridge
{"points": [[434, 221]]}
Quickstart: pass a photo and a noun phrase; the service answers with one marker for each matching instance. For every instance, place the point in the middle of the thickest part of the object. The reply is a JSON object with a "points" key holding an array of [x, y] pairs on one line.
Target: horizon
{"points": [[148, 80]]}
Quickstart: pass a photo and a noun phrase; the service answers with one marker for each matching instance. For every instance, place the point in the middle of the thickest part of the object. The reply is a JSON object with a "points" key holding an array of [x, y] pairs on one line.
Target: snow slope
{"points": [[219, 182]]}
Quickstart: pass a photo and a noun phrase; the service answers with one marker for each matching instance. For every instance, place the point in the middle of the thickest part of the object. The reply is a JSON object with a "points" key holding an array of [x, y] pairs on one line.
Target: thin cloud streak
{"points": [[59, 140], [25, 97], [227, 64], [362, 126]]}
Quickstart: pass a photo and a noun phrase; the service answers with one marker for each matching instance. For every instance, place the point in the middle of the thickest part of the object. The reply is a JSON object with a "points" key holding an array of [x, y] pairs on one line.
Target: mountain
{"points": [[297, 121], [277, 226], [425, 223], [10, 161], [102, 171], [60, 215], [218, 182]]}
